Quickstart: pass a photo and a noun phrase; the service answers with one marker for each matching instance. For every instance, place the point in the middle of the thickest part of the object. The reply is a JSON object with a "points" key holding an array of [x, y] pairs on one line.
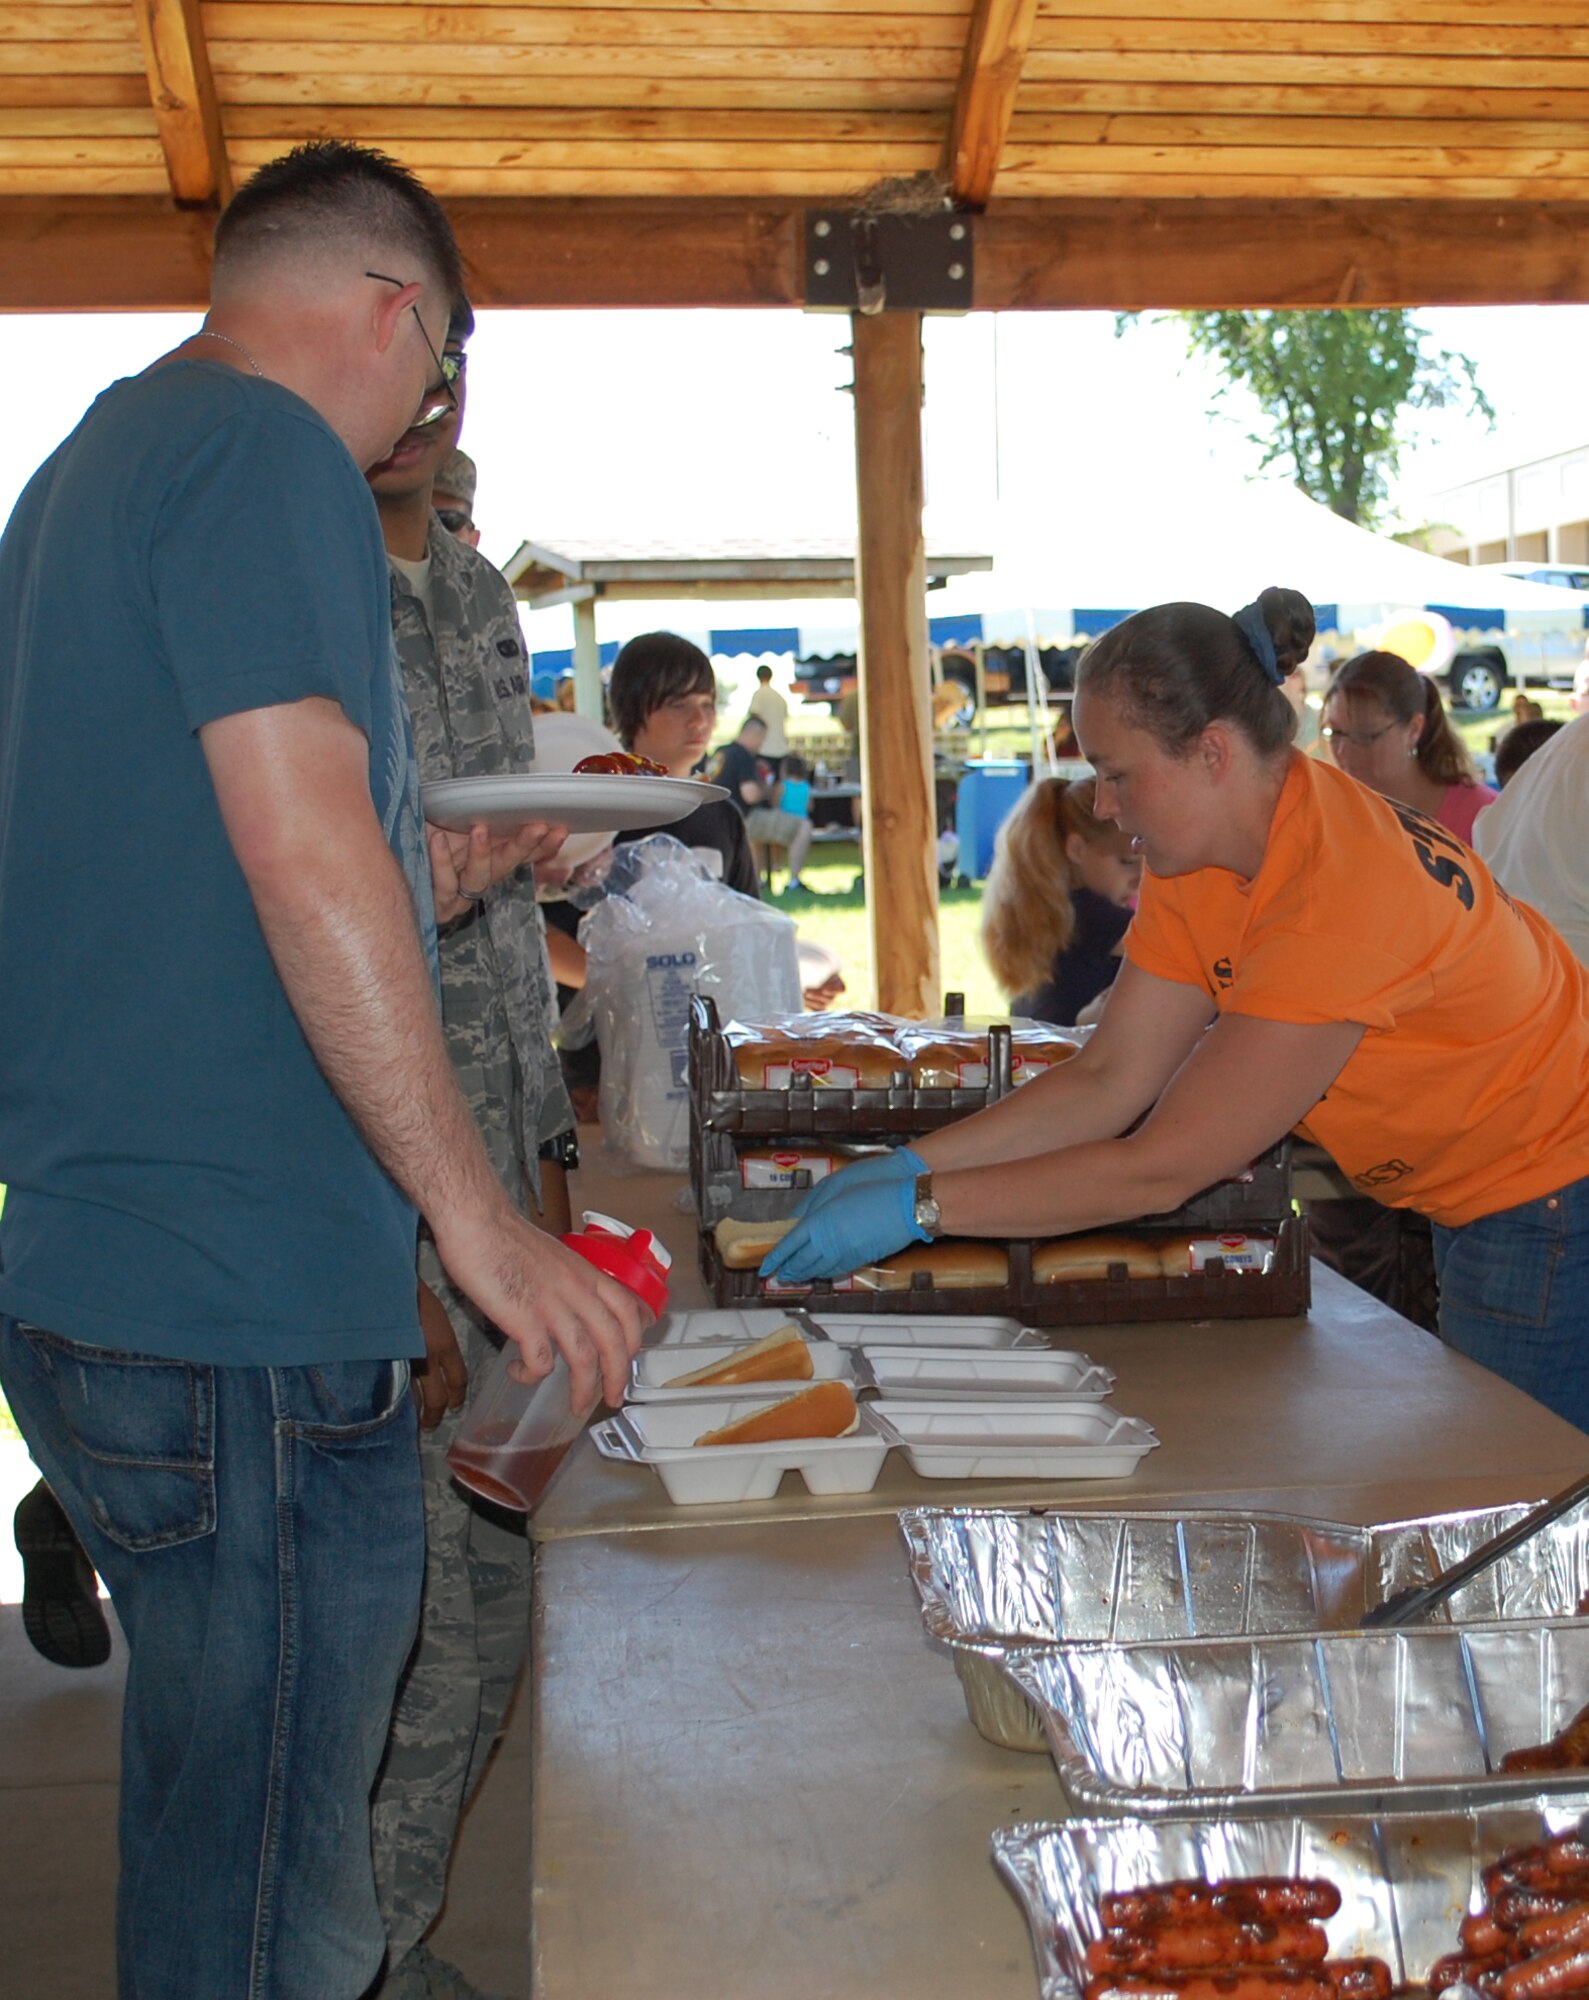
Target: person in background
{"points": [[61, 1613], [1535, 837], [452, 497], [663, 697], [1526, 709], [1387, 727], [224, 1092], [1517, 745], [773, 709], [794, 786], [1058, 901], [464, 668], [739, 768]]}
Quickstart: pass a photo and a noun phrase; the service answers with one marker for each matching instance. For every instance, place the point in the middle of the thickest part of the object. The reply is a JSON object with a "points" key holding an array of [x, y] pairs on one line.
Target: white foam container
{"points": [[946, 1374], [662, 1435], [949, 1374], [1004, 1440], [652, 1371], [850, 1329]]}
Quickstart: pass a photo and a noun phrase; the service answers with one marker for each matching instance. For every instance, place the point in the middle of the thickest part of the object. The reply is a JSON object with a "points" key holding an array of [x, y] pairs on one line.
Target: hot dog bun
{"points": [[1074, 1259], [825, 1410], [781, 1356], [955, 1265], [830, 1062], [742, 1245]]}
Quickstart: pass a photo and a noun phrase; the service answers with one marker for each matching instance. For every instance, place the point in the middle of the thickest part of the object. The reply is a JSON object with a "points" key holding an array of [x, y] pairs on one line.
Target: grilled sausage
{"points": [[1257, 1898], [1243, 1982], [1189, 1946], [1562, 1969]]}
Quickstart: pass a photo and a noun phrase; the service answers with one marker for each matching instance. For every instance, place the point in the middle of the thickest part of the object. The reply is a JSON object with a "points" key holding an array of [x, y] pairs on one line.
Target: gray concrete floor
{"points": [[58, 1772]]}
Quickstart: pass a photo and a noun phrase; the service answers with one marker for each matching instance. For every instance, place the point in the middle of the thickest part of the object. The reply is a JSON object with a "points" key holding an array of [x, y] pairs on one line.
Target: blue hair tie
{"points": [[1249, 622]]}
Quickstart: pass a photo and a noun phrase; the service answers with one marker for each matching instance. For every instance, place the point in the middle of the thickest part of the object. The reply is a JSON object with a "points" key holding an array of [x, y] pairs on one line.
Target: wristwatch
{"points": [[926, 1213]]}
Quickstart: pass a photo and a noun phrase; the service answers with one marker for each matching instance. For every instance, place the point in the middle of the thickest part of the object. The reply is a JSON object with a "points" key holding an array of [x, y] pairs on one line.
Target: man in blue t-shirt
{"points": [[223, 1086]]}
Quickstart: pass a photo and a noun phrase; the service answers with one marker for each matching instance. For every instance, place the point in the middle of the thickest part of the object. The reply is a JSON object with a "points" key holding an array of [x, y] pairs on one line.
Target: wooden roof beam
{"points": [[186, 106], [123, 253], [990, 75]]}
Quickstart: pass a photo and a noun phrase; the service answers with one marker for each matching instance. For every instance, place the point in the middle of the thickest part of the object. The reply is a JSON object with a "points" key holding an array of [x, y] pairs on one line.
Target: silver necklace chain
{"points": [[209, 333]]}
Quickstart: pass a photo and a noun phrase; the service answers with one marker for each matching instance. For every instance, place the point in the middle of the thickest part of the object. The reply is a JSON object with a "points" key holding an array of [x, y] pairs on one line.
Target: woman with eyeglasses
{"points": [[1387, 727], [1305, 956]]}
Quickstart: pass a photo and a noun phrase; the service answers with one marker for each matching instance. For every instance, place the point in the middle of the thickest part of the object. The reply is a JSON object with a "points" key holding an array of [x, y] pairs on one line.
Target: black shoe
{"points": [[60, 1597]]}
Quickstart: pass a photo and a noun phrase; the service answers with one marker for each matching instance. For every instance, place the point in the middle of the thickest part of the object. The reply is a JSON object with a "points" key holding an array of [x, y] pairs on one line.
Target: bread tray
{"points": [[996, 1439], [990, 1330], [1406, 1878], [990, 1579], [662, 1435], [1415, 1719]]}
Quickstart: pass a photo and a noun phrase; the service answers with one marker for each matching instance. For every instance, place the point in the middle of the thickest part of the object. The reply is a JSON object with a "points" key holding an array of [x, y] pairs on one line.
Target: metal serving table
{"points": [[754, 1777]]}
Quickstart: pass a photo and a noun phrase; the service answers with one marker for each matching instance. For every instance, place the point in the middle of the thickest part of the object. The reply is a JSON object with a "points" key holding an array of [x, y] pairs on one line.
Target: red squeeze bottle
{"points": [[516, 1434]]}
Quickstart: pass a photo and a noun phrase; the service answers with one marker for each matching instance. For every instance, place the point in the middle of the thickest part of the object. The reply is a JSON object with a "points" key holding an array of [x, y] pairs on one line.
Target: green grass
{"points": [[831, 910]]}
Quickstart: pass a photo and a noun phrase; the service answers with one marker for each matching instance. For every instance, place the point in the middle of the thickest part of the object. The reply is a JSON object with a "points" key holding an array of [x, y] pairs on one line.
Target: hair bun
{"points": [[1292, 626]]}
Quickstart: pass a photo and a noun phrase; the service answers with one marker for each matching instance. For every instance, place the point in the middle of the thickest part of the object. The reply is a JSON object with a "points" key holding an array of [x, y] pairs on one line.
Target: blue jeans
{"points": [[1514, 1296], [261, 1534]]}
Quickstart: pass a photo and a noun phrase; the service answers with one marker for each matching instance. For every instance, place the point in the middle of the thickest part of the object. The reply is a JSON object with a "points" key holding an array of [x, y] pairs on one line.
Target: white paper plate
{"points": [[1015, 1440], [596, 802]]}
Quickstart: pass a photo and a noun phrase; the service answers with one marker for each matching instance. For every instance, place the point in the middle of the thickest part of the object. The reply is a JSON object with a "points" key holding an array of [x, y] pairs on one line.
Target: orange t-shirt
{"points": [[1469, 1092]]}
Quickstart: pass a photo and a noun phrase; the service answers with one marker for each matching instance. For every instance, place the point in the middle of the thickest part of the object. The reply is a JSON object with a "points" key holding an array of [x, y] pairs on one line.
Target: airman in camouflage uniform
{"points": [[464, 673]]}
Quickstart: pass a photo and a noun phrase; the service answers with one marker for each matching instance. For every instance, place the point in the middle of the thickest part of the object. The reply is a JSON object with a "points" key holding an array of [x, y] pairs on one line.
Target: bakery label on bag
{"points": [[777, 1170], [772, 1289], [824, 1072], [1240, 1253]]}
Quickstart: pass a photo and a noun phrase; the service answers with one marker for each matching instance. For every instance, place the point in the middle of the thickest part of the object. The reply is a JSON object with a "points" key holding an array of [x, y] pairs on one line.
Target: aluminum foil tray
{"points": [[1415, 1720], [1406, 1878], [993, 1578]]}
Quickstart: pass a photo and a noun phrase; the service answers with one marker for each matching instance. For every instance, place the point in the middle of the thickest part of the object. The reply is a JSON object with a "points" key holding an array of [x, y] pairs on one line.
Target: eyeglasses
{"points": [[453, 519], [440, 400], [1360, 739]]}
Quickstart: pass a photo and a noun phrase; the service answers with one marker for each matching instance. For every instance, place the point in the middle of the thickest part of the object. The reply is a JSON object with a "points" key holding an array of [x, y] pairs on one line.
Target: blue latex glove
{"points": [[873, 1222], [900, 1165]]}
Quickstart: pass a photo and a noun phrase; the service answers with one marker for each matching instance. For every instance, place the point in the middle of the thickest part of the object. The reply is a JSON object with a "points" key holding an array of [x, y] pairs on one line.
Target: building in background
{"points": [[1536, 513]]}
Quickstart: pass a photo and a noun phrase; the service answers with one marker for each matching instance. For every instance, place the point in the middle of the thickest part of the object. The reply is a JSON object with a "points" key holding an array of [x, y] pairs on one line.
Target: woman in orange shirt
{"points": [[1306, 956]]}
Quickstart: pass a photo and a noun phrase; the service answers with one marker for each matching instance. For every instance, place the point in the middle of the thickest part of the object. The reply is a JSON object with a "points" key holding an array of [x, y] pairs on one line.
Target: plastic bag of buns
{"points": [[835, 1051], [952, 1054]]}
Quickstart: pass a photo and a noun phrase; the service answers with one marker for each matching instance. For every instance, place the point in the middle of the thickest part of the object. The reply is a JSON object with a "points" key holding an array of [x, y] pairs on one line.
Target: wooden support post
{"points": [[899, 822], [587, 660]]}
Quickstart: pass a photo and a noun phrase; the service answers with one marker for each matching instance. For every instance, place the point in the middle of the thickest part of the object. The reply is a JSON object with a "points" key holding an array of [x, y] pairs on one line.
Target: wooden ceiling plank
{"points": [[1467, 13], [473, 121], [65, 24], [85, 59], [65, 180], [71, 122], [1200, 67], [573, 27], [74, 92], [70, 151], [267, 85], [182, 91], [1362, 101], [1169, 130], [1308, 36], [644, 162], [539, 68], [1300, 158], [1342, 186], [696, 8], [990, 78]]}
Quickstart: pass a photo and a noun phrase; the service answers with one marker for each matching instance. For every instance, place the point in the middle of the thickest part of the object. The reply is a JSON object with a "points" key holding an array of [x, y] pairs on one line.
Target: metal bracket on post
{"points": [[860, 261]]}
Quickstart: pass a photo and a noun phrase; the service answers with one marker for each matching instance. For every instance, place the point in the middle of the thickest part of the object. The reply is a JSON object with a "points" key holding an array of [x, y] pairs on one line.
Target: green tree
{"points": [[1334, 387]]}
